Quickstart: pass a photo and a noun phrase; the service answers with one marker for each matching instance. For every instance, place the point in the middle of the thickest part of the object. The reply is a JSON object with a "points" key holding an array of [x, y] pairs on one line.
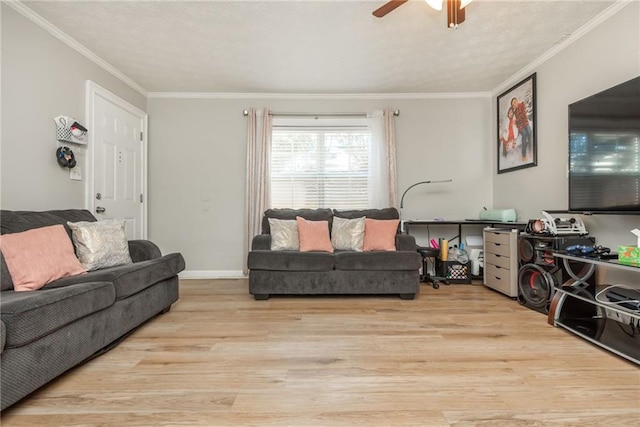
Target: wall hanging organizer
{"points": [[69, 130]]}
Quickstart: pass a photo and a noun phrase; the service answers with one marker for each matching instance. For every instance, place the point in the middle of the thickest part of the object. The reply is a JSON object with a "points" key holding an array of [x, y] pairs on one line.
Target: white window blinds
{"points": [[320, 162]]}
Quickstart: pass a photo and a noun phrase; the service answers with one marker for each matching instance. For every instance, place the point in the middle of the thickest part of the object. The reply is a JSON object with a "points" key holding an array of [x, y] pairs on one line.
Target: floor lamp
{"points": [[415, 185], [426, 252]]}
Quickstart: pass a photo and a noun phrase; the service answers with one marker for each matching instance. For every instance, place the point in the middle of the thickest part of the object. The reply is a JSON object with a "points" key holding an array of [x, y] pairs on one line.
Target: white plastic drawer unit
{"points": [[501, 260]]}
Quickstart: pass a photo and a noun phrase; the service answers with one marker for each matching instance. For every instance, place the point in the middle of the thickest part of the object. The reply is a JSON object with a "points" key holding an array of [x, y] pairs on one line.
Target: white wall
{"points": [[604, 57], [197, 161], [42, 78]]}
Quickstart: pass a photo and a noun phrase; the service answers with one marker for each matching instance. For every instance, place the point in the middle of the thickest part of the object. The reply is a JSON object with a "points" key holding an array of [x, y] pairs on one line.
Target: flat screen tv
{"points": [[604, 151]]}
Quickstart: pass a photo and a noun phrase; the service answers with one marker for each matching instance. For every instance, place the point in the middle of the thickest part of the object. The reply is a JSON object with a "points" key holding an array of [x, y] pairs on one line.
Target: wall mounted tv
{"points": [[604, 151]]}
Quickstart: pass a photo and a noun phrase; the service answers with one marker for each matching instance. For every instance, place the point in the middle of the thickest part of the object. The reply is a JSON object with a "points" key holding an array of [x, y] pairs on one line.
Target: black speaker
{"points": [[540, 272]]}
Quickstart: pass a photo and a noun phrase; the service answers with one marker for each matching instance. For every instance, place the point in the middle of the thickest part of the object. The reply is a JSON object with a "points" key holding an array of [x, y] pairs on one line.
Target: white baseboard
{"points": [[211, 274]]}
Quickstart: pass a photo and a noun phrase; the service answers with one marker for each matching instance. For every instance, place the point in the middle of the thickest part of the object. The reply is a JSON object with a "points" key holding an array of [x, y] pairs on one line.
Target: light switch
{"points": [[75, 173]]}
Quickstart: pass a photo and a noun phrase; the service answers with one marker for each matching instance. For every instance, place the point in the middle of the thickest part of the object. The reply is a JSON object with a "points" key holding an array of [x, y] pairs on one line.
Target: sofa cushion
{"points": [[310, 214], [100, 244], [314, 235], [284, 234], [380, 234], [348, 234], [290, 261], [378, 260], [130, 279], [38, 256], [6, 284], [386, 213], [18, 221], [29, 316]]}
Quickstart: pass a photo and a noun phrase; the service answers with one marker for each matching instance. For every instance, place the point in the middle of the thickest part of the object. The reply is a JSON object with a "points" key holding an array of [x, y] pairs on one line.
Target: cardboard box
{"points": [[629, 255]]}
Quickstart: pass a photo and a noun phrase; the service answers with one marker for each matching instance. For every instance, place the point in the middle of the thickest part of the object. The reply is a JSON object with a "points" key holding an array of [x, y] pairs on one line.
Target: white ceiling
{"points": [[319, 47]]}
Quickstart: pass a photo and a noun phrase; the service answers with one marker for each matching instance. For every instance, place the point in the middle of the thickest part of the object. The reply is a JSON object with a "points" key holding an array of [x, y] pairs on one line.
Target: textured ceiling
{"points": [[316, 46]]}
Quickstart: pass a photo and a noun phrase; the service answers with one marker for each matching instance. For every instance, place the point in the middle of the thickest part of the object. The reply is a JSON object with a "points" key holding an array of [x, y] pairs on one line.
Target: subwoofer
{"points": [[540, 272]]}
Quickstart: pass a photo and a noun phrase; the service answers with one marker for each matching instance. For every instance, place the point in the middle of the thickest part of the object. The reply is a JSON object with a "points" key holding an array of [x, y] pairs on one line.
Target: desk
{"points": [[460, 223]]}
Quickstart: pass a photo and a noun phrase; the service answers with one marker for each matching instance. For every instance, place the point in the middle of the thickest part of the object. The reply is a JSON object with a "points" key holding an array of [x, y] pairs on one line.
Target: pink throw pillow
{"points": [[380, 235], [314, 235], [39, 256]]}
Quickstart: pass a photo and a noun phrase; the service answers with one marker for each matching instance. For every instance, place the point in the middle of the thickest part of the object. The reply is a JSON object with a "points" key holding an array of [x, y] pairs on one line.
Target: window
{"points": [[320, 162]]}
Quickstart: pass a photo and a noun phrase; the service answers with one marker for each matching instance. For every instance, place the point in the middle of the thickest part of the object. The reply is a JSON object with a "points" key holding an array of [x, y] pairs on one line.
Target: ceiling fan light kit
{"points": [[455, 9], [436, 4]]}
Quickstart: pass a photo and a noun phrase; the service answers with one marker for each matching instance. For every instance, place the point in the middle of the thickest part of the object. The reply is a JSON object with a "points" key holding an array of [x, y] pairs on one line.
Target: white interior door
{"points": [[117, 155]]}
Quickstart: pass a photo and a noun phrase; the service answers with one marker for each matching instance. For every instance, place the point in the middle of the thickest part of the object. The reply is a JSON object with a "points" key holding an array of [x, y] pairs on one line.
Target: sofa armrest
{"points": [[405, 242], [261, 242], [143, 250]]}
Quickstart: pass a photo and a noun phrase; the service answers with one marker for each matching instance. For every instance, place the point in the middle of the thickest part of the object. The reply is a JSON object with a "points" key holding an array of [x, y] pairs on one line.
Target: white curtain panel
{"points": [[390, 146], [382, 171], [258, 178]]}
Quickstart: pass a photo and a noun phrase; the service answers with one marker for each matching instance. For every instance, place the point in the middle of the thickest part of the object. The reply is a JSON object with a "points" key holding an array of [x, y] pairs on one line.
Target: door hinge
{"points": [[141, 139], [141, 198]]}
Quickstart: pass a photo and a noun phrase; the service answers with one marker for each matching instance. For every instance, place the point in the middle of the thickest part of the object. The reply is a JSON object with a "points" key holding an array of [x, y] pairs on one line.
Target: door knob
{"points": [[100, 209]]}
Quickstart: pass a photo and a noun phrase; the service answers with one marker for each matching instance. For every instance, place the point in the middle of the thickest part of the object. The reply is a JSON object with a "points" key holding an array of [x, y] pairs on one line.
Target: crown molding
{"points": [[25, 11], [576, 35], [316, 96]]}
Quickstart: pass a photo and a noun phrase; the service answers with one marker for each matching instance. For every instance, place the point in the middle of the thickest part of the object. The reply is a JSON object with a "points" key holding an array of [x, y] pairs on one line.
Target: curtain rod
{"points": [[245, 113]]}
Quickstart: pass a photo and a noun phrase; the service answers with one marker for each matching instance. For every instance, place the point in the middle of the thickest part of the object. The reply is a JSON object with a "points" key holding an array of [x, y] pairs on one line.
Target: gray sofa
{"points": [[46, 332], [342, 272]]}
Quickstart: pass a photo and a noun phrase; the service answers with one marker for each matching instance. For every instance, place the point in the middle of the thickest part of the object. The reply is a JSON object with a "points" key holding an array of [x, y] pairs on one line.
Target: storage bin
{"points": [[454, 272]]}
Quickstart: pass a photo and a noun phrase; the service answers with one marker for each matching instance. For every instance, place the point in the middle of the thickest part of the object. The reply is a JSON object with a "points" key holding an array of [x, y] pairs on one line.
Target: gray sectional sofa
{"points": [[342, 272], [70, 320]]}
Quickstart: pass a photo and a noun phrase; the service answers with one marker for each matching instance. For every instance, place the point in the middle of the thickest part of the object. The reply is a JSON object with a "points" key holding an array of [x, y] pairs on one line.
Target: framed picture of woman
{"points": [[517, 147]]}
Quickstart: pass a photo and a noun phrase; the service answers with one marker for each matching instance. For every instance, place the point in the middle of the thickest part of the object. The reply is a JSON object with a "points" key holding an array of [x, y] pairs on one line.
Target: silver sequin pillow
{"points": [[347, 234], [284, 235], [100, 244]]}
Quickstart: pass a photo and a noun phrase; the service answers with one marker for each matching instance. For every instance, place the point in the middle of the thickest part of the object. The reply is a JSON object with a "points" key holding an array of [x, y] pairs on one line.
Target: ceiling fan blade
{"points": [[388, 7], [455, 14]]}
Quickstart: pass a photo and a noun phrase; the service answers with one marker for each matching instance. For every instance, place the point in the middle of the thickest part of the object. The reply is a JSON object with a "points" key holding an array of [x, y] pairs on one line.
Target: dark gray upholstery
{"points": [[140, 250], [405, 242], [5, 277], [18, 221], [386, 213], [345, 272], [381, 214], [49, 331], [261, 242], [376, 260], [308, 214], [3, 335], [129, 279], [335, 282], [291, 260], [31, 315]]}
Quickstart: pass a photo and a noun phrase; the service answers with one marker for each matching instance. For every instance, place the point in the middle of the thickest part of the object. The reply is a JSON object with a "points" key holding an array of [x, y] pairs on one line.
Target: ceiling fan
{"points": [[455, 9]]}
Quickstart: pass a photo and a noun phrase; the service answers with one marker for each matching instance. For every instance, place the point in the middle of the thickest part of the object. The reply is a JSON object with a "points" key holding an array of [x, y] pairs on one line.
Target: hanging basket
{"points": [[69, 130]]}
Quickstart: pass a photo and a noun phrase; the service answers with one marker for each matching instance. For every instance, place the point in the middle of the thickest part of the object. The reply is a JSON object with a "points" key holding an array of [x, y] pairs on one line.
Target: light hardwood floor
{"points": [[460, 355]]}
